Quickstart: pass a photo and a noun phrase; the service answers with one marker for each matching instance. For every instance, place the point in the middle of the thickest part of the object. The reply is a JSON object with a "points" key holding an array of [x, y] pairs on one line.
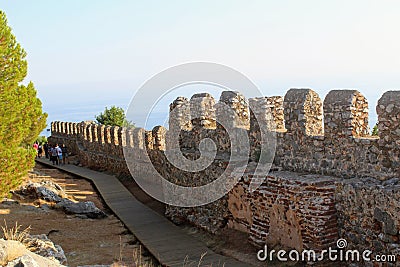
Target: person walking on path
{"points": [[59, 154], [46, 150], [64, 154], [54, 155], [50, 146], [36, 147], [40, 151]]}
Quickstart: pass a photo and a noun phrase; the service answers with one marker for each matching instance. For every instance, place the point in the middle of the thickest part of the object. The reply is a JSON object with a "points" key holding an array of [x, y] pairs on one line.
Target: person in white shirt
{"points": [[59, 154]]}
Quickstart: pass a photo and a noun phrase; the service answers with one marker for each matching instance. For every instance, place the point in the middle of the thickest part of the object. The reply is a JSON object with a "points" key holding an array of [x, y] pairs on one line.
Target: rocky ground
{"points": [[69, 212]]}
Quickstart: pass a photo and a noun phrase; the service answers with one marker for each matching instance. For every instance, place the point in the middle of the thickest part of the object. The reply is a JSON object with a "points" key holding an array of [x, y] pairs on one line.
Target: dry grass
{"points": [[138, 261], [22, 236], [19, 241], [137, 258], [186, 262], [15, 233]]}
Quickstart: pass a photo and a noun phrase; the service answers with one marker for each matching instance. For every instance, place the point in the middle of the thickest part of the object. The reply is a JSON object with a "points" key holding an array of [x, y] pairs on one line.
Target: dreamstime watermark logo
{"points": [[139, 161], [338, 253]]}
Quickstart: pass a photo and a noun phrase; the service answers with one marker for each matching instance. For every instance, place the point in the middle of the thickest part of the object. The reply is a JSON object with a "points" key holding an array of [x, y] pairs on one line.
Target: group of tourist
{"points": [[39, 149], [58, 155]]}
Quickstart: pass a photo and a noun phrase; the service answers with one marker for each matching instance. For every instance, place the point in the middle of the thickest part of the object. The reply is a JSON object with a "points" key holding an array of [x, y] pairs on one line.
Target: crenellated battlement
{"points": [[324, 137], [346, 114], [303, 113]]}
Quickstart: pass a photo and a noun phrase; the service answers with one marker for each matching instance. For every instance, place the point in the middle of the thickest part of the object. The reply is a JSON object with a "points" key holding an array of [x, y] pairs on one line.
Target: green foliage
{"points": [[375, 130], [115, 116], [41, 140], [21, 116]]}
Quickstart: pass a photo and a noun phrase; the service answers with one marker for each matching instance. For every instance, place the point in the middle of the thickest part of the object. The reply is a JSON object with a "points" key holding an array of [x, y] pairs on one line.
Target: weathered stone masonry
{"points": [[330, 178]]}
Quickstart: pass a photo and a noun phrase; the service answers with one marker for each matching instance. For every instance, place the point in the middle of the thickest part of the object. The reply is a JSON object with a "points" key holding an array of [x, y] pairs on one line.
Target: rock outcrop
{"points": [[15, 254], [55, 195]]}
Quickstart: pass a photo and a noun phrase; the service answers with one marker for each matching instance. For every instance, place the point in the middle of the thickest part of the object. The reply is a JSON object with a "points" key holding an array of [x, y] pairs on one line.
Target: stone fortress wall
{"points": [[330, 179]]}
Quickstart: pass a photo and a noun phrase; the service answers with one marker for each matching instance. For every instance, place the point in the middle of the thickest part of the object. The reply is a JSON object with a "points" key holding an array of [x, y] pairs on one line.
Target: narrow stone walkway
{"points": [[165, 241]]}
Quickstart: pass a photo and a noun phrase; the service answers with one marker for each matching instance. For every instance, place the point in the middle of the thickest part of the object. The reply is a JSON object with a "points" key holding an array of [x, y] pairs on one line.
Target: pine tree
{"points": [[21, 116], [375, 130], [115, 116]]}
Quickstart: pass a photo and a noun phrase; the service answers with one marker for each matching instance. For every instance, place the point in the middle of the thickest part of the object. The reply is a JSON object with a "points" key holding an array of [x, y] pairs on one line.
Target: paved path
{"points": [[169, 244]]}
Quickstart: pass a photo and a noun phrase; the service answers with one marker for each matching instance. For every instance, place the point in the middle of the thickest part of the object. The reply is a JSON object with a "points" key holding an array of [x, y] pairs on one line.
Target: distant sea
{"points": [[88, 113]]}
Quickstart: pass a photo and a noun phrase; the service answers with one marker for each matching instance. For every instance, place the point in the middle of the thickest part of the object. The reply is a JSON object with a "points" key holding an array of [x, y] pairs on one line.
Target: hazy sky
{"points": [[85, 54]]}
